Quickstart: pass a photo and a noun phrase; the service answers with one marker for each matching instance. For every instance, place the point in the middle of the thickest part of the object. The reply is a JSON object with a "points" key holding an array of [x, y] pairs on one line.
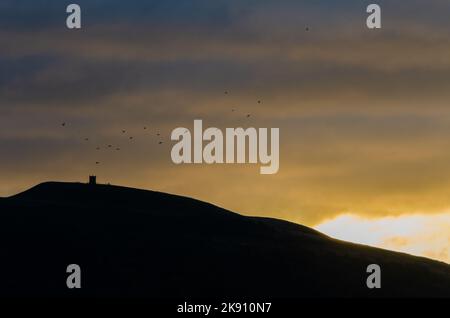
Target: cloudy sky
{"points": [[364, 115]]}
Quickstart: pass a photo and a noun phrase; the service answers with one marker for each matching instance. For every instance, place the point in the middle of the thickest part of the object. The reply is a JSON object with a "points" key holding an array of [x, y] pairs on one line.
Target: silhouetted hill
{"points": [[140, 243]]}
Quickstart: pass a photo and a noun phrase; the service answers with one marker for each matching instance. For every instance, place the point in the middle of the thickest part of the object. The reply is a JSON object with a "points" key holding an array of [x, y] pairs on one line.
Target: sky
{"points": [[364, 115]]}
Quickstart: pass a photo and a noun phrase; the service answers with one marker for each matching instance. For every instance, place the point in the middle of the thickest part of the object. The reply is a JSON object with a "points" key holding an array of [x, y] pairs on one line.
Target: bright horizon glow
{"points": [[417, 234]]}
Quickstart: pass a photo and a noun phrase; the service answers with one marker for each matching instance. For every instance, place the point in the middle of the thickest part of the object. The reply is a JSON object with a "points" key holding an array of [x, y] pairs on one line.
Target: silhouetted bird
{"points": [[97, 162], [226, 93], [98, 148], [123, 131], [248, 115], [63, 124], [131, 137], [158, 134], [259, 102], [87, 139], [160, 142], [117, 149], [145, 127], [109, 146]]}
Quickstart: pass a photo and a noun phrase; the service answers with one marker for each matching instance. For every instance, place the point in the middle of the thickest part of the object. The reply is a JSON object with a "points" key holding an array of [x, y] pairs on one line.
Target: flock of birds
{"points": [[160, 142], [111, 146], [130, 138]]}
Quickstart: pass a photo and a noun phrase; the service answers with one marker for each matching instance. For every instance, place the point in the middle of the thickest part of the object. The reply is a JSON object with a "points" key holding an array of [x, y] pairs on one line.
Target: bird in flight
{"points": [[63, 124], [123, 131], [248, 115], [160, 142], [98, 148], [131, 137], [97, 162], [87, 139]]}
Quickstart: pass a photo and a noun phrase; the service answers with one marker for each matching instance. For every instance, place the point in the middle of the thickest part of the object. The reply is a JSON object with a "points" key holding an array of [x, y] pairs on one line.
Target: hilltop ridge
{"points": [[140, 243]]}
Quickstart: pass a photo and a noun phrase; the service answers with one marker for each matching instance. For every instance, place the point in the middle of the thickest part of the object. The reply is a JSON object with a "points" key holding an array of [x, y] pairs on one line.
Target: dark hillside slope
{"points": [[140, 243]]}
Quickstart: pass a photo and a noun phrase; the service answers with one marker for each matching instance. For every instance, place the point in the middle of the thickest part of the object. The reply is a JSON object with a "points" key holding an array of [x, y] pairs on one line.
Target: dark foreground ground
{"points": [[136, 243]]}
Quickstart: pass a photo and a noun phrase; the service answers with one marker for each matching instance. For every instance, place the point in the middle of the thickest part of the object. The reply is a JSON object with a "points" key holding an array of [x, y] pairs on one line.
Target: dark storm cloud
{"points": [[44, 14], [203, 46], [45, 81]]}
